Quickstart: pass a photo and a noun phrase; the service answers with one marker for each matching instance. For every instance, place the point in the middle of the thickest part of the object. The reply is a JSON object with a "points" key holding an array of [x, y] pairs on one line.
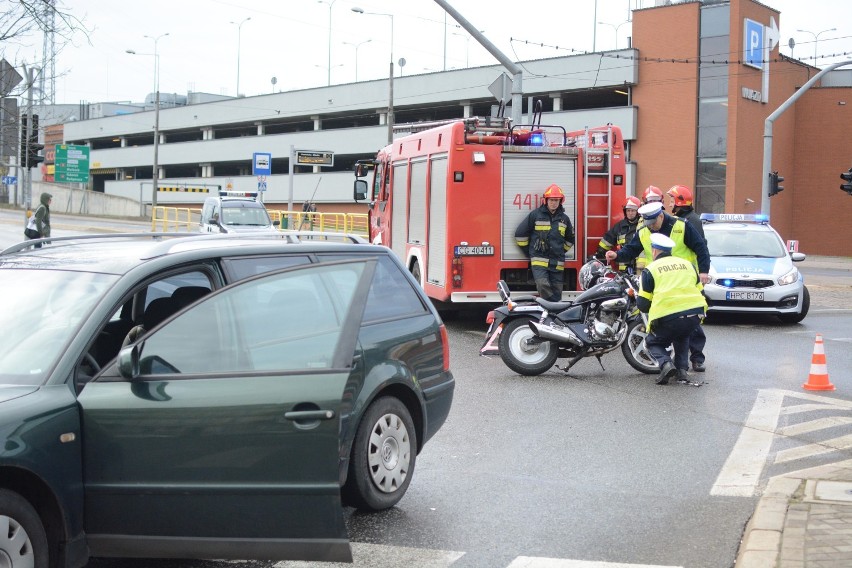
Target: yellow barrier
{"points": [[168, 219], [353, 223]]}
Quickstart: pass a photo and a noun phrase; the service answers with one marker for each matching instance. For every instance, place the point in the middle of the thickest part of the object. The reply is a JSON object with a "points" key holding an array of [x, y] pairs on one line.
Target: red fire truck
{"points": [[447, 198]]}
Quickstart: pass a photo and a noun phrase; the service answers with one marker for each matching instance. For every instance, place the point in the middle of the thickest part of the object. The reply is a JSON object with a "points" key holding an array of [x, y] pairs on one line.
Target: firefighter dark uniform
{"points": [[546, 236], [622, 233], [670, 293], [681, 206]]}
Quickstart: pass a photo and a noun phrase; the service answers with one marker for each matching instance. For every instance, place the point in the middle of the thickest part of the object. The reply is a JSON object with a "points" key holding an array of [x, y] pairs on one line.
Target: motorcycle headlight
{"points": [[789, 278]]}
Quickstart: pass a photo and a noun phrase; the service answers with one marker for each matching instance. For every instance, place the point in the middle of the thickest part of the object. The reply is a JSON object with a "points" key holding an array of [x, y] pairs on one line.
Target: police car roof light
{"points": [[252, 194], [722, 217]]}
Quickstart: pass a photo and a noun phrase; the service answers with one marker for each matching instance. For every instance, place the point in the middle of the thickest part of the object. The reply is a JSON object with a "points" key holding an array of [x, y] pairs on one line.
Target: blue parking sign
{"points": [[753, 44]]}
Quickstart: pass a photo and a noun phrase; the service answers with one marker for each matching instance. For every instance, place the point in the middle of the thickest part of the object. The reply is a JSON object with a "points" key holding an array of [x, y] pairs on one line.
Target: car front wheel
{"points": [[23, 541], [383, 456]]}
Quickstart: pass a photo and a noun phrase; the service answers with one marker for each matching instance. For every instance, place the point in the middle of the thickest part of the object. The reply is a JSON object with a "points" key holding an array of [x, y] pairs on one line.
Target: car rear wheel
{"points": [[383, 456], [23, 541], [806, 306]]}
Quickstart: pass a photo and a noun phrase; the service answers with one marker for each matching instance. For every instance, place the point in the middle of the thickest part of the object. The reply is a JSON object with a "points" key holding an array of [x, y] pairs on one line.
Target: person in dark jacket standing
{"points": [[670, 293], [622, 232], [38, 226], [679, 201], [546, 236]]}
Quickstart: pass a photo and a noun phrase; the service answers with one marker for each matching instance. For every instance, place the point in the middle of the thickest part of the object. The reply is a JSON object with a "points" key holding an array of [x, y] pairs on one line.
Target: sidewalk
{"points": [[802, 521]]}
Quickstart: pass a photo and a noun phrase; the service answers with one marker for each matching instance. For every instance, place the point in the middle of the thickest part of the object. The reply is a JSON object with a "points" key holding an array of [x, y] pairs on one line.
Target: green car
{"points": [[208, 396]]}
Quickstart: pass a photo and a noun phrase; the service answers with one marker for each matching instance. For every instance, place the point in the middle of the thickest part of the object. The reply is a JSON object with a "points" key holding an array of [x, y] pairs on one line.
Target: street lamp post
{"points": [[156, 167], [616, 28], [239, 34], [356, 46], [390, 79], [816, 39], [330, 4]]}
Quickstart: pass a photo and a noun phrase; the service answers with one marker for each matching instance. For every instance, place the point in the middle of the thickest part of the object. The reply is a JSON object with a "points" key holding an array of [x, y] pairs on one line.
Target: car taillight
{"points": [[445, 347]]}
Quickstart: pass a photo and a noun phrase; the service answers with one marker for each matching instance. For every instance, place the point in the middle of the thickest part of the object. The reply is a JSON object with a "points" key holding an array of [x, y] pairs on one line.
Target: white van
{"points": [[235, 212]]}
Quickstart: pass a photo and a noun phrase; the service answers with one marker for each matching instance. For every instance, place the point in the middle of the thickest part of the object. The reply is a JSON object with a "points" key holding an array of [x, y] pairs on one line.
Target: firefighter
{"points": [[546, 236], [679, 201], [689, 245], [651, 194], [622, 232], [670, 293]]}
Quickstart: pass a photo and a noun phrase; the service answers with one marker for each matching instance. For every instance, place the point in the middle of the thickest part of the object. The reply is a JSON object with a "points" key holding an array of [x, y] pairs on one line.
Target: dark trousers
{"points": [[675, 331], [697, 341], [548, 282]]}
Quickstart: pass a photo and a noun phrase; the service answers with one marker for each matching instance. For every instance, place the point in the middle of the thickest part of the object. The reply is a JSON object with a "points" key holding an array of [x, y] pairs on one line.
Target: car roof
{"points": [[119, 253], [737, 226]]}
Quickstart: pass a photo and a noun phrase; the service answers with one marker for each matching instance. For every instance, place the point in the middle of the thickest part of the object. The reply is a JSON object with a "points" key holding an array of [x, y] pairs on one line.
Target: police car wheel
{"points": [[524, 352], [806, 306], [634, 349], [384, 453]]}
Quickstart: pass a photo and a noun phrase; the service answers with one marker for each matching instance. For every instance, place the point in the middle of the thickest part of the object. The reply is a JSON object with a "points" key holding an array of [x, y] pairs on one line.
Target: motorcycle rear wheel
{"points": [[523, 351], [634, 349]]}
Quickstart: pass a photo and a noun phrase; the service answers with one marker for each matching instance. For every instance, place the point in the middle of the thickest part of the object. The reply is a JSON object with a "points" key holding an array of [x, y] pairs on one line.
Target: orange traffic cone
{"points": [[818, 377]]}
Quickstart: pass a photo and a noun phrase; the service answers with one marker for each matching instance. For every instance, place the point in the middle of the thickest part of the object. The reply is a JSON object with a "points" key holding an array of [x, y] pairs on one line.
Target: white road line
{"points": [[534, 562], [800, 408], [383, 556], [741, 473], [814, 425], [828, 446]]}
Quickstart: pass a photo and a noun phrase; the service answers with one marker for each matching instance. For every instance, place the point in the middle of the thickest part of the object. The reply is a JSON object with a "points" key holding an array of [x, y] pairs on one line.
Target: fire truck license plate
{"points": [[475, 251], [752, 296]]}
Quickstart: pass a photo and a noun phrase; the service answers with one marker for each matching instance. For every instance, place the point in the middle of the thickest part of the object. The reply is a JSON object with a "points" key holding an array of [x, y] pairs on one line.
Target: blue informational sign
{"points": [[753, 44], [261, 164], [10, 180]]}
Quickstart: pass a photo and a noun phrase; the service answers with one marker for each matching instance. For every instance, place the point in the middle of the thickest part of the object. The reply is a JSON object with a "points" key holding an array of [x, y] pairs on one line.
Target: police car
{"points": [[235, 212], [751, 269]]}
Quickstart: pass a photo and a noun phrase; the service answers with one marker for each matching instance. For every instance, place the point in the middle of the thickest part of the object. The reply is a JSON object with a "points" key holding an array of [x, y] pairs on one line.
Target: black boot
{"points": [[667, 372]]}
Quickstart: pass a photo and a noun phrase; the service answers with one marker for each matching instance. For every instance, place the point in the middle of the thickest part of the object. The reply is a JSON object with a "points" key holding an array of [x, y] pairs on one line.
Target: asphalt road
{"points": [[604, 465]]}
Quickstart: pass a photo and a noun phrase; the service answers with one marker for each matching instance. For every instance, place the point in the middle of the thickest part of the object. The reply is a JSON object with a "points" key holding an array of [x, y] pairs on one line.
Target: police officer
{"points": [[670, 293], [689, 245], [622, 232], [679, 202], [546, 236]]}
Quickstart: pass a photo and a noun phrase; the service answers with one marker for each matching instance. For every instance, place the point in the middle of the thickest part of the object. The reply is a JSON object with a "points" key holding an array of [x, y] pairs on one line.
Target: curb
{"points": [[761, 544]]}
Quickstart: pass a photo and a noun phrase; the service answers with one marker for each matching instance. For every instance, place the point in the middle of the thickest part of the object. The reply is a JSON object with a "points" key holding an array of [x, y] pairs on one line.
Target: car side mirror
{"points": [[276, 223], [798, 256], [128, 361], [360, 190]]}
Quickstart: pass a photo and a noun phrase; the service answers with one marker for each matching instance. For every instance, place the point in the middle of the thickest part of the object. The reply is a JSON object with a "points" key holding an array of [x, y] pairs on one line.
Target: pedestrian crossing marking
{"points": [[740, 475], [382, 555], [534, 562]]}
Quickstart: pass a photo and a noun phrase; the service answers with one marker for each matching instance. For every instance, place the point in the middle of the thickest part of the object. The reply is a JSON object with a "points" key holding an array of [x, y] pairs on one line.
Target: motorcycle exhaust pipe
{"points": [[561, 335]]}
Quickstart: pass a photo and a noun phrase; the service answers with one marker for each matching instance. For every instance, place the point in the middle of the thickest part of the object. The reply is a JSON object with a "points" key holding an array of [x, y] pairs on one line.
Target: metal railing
{"points": [[174, 218], [352, 223]]}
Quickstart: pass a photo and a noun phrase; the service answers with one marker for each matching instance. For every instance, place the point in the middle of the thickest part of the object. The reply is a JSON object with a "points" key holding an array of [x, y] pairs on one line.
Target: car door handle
{"points": [[306, 415]]}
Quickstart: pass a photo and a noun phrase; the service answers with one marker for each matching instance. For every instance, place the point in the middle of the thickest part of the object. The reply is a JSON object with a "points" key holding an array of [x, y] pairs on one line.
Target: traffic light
{"points": [[847, 177], [33, 159], [774, 181]]}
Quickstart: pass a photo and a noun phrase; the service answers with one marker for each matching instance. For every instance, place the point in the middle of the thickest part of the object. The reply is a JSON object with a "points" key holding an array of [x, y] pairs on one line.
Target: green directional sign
{"points": [[72, 164]]}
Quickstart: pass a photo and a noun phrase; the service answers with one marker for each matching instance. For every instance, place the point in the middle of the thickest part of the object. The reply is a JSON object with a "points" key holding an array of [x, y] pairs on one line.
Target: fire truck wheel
{"points": [[634, 349], [523, 351], [383, 456]]}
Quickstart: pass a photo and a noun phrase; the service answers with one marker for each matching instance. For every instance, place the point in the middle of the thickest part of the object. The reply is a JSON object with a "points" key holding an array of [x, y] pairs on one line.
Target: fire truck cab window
{"points": [[379, 181]]}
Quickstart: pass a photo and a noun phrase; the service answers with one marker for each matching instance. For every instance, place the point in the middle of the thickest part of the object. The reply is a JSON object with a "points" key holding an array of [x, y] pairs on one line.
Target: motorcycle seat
{"points": [[553, 306]]}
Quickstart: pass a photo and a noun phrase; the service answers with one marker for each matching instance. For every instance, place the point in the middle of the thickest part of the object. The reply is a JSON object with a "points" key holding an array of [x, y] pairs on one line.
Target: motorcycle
{"points": [[530, 333]]}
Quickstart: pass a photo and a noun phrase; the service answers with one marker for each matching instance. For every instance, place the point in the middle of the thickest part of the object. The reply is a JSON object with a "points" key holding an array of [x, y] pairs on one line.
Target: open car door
{"points": [[216, 435]]}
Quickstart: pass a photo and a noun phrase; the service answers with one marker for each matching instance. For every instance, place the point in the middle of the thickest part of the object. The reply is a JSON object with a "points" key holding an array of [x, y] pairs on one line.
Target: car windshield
{"points": [[42, 311], [245, 216], [761, 244]]}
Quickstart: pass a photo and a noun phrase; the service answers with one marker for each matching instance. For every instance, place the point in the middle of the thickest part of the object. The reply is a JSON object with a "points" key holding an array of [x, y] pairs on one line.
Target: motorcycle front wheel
{"points": [[523, 351], [634, 349]]}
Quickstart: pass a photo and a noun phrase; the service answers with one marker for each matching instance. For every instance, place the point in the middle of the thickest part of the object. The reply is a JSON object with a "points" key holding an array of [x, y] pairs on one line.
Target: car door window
{"points": [[302, 318], [240, 268]]}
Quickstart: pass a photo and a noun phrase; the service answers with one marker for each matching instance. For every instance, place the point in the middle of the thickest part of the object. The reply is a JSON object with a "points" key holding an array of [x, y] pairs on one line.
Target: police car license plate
{"points": [[748, 296], [475, 251]]}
